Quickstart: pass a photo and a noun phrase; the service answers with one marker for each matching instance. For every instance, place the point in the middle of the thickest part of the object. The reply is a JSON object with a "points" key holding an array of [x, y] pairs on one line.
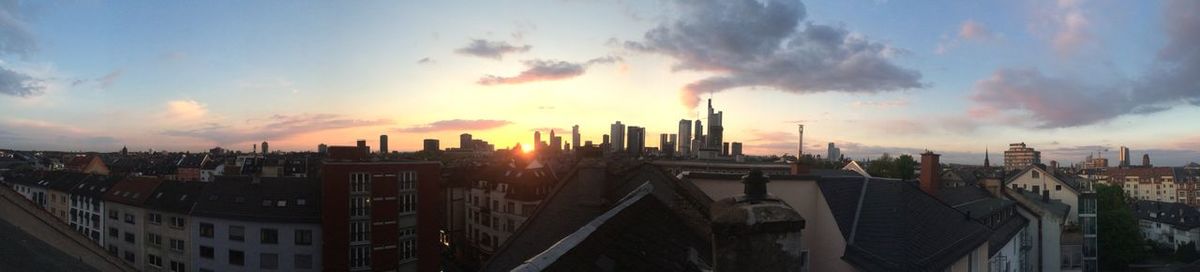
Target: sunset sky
{"points": [[1066, 77]]}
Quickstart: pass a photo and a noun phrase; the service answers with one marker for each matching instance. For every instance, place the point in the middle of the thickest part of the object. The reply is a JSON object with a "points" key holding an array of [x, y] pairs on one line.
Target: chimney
{"points": [[756, 231], [931, 173], [1053, 167]]}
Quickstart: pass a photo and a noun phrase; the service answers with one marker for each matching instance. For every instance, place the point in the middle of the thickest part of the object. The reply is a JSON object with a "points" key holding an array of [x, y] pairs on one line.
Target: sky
{"points": [[1068, 77]]}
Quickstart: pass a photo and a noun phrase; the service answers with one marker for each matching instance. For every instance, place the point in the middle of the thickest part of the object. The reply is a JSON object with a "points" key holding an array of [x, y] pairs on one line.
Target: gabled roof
{"points": [[1178, 215], [640, 233], [981, 205], [562, 213], [132, 190], [891, 225], [242, 198], [1071, 183], [175, 196]]}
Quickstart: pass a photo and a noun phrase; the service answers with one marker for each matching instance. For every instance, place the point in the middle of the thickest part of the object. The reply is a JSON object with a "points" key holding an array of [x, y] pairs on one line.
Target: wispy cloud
{"points": [[104, 82], [274, 127], [456, 125], [881, 104], [748, 43], [185, 110], [1072, 24], [547, 70], [491, 49], [426, 60]]}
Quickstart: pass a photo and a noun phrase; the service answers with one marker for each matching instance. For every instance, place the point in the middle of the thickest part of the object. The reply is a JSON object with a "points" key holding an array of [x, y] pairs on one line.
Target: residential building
{"points": [[87, 206], [1059, 186], [126, 219], [168, 241], [59, 188], [465, 142], [190, 166], [380, 215], [1168, 224], [243, 223], [87, 164], [1018, 156], [1162, 184], [501, 199]]}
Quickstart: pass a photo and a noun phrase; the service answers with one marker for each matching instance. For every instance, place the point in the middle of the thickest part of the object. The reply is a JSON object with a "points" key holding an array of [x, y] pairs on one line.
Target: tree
{"points": [[904, 167], [1120, 240], [882, 167]]}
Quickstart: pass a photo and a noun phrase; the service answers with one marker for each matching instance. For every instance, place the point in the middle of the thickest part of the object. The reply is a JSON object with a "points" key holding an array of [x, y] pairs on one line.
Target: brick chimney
{"points": [[931, 173], [756, 231]]}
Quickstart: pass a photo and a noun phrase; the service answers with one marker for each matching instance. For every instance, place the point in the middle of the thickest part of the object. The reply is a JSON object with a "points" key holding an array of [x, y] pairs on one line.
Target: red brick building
{"points": [[380, 215]]}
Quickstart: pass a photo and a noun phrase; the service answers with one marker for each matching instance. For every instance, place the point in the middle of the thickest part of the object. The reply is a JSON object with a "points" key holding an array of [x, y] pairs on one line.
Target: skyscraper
{"points": [[715, 130], [464, 141], [1018, 156], [737, 149], [1124, 156], [383, 148], [673, 143], [834, 152], [537, 139], [575, 137], [617, 134], [663, 143], [637, 140], [685, 137], [264, 148], [697, 136]]}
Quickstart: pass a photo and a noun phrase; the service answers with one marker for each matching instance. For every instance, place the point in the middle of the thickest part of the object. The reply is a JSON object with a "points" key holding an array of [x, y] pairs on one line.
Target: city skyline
{"points": [[1068, 77]]}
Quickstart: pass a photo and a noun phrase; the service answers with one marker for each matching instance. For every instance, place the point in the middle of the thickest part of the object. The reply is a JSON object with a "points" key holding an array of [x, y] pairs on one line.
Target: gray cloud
{"points": [[1173, 79], [425, 60], [546, 70], [748, 43], [274, 127], [15, 34], [491, 49], [21, 85], [103, 82], [456, 124]]}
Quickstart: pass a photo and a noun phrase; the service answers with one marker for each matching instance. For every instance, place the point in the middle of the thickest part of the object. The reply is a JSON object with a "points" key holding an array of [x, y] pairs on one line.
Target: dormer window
{"points": [[281, 203], [301, 202]]}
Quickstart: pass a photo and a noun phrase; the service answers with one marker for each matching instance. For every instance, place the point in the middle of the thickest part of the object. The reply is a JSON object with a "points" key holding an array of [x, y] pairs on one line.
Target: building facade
{"points": [[1018, 156], [125, 234], [500, 200], [256, 224]]}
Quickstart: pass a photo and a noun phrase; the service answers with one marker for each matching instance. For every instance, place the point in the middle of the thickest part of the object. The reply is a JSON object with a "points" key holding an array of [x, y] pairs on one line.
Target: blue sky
{"points": [[1068, 77]]}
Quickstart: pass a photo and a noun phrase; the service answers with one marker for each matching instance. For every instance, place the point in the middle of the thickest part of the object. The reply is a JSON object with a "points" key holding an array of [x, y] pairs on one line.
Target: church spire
{"points": [[986, 158]]}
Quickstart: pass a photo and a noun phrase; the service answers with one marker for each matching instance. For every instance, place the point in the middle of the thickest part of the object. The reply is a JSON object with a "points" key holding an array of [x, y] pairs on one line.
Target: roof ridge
{"points": [[858, 210]]}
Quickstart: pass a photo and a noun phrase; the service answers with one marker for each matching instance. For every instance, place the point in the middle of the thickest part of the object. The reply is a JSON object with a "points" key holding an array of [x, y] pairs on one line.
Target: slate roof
{"points": [[981, 205], [891, 225], [241, 198], [561, 214], [92, 186], [1179, 215], [638, 234], [192, 161], [132, 190], [175, 196]]}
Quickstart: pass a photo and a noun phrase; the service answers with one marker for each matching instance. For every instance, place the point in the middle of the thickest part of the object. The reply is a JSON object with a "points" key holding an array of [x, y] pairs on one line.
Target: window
{"points": [[269, 236], [153, 260], [177, 222], [237, 233], [153, 239], [509, 207], [360, 256], [114, 215], [510, 226], [130, 257], [303, 261], [154, 218], [1058, 187], [303, 237], [408, 181], [206, 252], [237, 257], [1036, 174], [268, 261], [408, 249], [360, 183], [178, 267], [360, 206], [177, 245], [112, 232], [359, 231], [408, 203], [129, 237], [206, 230], [129, 218]]}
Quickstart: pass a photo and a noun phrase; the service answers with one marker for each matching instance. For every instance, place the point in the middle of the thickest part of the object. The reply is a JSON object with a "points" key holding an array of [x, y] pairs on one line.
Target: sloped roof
{"points": [[175, 196], [640, 233], [561, 213], [1179, 215], [93, 186], [891, 225], [1141, 172], [241, 198], [132, 190]]}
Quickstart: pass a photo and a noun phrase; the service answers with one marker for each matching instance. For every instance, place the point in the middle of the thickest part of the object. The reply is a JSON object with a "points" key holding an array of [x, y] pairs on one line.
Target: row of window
{"points": [[268, 236], [157, 261], [265, 260]]}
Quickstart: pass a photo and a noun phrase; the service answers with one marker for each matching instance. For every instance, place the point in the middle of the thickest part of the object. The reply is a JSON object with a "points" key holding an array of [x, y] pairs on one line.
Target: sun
{"points": [[527, 148]]}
